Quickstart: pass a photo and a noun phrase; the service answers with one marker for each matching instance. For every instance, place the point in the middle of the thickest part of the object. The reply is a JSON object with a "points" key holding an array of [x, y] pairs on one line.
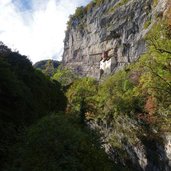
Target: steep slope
{"points": [[132, 108], [105, 36], [26, 95]]}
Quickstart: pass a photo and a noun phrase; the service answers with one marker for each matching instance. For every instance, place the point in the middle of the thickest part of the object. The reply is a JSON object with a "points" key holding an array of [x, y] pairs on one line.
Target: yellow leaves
{"points": [[150, 105], [168, 14]]}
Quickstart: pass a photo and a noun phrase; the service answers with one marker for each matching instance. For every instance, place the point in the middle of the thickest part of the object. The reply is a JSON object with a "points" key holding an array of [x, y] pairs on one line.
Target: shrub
{"points": [[55, 143]]}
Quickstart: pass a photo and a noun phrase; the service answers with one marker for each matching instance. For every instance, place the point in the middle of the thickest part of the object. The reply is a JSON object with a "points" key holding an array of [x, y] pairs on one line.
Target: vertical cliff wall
{"points": [[116, 25], [101, 41]]}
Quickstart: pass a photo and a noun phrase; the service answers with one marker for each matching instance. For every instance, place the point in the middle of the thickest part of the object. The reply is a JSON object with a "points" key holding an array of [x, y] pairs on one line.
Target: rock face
{"points": [[144, 155], [118, 28], [119, 25]]}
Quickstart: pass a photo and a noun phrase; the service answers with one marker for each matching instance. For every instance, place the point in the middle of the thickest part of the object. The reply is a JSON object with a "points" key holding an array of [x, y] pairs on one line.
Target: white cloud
{"points": [[39, 31]]}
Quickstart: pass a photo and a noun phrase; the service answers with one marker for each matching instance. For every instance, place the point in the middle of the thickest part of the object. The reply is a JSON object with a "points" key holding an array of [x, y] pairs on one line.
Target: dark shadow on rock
{"points": [[156, 155]]}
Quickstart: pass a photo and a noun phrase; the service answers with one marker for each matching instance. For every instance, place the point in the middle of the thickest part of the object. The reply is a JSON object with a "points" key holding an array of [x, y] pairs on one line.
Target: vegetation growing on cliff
{"points": [[134, 102], [44, 128], [80, 12], [119, 4]]}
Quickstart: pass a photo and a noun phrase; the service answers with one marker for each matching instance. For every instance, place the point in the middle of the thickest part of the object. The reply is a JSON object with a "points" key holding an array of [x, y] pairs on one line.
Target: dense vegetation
{"points": [[43, 120], [26, 95], [65, 76], [134, 102], [36, 133], [58, 143], [48, 67]]}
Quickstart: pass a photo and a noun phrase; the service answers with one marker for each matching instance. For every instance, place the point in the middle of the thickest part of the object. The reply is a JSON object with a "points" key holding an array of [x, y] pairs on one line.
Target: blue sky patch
{"points": [[23, 5]]}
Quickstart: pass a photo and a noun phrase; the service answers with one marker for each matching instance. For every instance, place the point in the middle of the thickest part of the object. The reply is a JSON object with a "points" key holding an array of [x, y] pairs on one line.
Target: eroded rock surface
{"points": [[116, 25]]}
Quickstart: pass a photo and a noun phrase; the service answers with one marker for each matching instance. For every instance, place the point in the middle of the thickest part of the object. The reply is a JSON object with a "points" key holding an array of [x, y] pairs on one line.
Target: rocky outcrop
{"points": [[144, 154], [119, 25]]}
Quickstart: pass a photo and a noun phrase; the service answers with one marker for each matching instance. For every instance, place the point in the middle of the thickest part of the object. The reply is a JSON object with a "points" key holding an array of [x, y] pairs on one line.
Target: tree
{"points": [[55, 143], [65, 76], [81, 96], [26, 95]]}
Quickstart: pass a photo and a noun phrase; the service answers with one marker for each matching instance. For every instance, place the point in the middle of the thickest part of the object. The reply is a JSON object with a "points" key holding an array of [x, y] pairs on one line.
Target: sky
{"points": [[36, 28]]}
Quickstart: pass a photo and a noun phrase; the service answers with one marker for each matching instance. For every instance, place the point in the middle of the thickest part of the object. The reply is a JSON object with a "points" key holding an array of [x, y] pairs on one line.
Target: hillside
{"points": [[36, 132], [48, 67]]}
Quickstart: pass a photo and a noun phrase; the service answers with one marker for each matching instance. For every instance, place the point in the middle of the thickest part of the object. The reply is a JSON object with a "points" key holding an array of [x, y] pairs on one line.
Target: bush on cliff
{"points": [[134, 102]]}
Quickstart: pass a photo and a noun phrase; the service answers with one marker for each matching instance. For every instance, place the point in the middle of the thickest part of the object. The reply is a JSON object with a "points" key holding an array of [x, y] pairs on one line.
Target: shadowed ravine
{"points": [[105, 107]]}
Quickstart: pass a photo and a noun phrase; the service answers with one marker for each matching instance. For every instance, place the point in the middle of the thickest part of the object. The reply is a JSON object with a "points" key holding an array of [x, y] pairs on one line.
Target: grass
{"points": [[147, 23], [121, 3]]}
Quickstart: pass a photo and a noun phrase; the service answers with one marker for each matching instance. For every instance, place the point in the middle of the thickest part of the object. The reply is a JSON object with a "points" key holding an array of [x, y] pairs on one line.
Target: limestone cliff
{"points": [[118, 25], [117, 28]]}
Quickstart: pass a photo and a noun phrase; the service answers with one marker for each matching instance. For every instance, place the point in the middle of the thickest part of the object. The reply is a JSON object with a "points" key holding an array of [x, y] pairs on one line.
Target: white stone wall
{"points": [[106, 66]]}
